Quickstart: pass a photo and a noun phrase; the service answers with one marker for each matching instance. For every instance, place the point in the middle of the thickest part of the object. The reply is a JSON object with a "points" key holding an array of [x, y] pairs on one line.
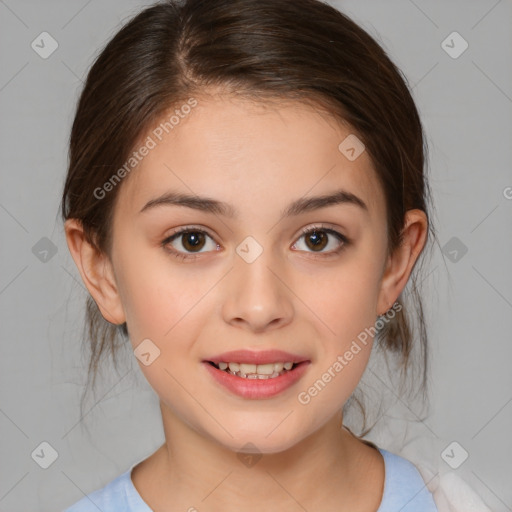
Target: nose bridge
{"points": [[257, 296]]}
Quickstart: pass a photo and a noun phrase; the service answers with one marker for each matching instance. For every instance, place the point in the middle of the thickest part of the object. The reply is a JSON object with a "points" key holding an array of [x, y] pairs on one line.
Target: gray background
{"points": [[466, 107]]}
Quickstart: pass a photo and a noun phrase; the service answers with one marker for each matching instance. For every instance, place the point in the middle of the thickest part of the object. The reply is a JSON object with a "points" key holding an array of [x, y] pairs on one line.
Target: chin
{"points": [[261, 440]]}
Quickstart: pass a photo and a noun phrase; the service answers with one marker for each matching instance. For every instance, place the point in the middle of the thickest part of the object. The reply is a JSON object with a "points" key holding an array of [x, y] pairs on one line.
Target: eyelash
{"points": [[191, 229]]}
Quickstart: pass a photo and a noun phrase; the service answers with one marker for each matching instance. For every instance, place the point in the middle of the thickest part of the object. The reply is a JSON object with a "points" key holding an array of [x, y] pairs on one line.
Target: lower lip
{"points": [[257, 388]]}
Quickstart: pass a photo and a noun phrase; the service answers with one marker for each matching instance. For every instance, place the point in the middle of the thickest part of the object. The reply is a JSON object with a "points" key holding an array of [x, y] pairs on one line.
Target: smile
{"points": [[248, 383]]}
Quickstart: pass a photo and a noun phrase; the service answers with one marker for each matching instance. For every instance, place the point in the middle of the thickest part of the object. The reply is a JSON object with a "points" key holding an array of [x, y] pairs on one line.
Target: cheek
{"points": [[162, 304], [346, 299], [158, 298]]}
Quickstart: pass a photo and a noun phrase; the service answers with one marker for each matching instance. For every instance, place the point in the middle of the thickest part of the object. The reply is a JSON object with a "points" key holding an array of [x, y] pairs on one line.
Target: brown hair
{"points": [[299, 50]]}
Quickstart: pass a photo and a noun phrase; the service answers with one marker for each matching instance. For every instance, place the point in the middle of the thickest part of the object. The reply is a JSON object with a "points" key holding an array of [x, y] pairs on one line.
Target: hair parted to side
{"points": [[298, 50]]}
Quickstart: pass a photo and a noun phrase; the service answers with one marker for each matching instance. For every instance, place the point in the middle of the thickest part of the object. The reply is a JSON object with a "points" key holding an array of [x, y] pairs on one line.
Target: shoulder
{"points": [[404, 488], [116, 495]]}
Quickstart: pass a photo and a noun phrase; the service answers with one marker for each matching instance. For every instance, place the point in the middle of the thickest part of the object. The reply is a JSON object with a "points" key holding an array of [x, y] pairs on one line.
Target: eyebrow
{"points": [[209, 205]]}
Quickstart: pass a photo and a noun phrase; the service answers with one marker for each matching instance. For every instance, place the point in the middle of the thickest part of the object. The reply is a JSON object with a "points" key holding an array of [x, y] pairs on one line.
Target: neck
{"points": [[192, 470]]}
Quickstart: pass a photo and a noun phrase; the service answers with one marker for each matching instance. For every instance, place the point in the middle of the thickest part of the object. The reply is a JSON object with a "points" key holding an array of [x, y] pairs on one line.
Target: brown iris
{"points": [[193, 240], [319, 239]]}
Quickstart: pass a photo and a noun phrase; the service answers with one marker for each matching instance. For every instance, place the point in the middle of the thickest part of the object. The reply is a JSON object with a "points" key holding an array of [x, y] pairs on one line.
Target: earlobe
{"points": [[401, 263], [96, 271]]}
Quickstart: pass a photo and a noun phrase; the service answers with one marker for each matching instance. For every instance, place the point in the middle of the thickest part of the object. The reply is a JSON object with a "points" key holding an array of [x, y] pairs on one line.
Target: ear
{"points": [[97, 273], [400, 264]]}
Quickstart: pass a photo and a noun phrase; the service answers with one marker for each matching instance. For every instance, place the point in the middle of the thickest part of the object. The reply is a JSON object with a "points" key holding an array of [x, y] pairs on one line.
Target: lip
{"points": [[258, 389], [256, 357]]}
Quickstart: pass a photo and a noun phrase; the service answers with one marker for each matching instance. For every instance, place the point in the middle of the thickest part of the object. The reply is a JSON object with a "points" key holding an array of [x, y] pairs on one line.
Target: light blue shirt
{"points": [[404, 491]]}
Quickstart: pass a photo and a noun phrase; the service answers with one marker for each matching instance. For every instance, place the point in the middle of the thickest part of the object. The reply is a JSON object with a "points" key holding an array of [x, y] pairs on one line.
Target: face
{"points": [[262, 267]]}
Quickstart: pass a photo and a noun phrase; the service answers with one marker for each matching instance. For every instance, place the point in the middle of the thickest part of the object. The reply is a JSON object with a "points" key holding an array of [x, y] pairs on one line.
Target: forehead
{"points": [[248, 153]]}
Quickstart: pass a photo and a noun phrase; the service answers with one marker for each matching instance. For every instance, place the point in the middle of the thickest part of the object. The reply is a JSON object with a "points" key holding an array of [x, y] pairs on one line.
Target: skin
{"points": [[259, 159]]}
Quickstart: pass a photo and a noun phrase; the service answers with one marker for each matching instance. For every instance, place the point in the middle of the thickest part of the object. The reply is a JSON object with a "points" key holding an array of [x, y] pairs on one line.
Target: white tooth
{"points": [[278, 367], [246, 368], [265, 369], [252, 371]]}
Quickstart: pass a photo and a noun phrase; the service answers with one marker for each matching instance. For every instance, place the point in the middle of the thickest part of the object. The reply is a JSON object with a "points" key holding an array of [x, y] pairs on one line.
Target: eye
{"points": [[188, 241], [317, 238]]}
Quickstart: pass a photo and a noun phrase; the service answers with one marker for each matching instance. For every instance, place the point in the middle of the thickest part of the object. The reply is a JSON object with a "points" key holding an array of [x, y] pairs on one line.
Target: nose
{"points": [[257, 296]]}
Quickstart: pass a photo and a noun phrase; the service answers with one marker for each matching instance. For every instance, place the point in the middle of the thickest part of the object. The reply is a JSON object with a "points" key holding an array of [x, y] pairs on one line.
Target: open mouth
{"points": [[257, 381], [253, 371]]}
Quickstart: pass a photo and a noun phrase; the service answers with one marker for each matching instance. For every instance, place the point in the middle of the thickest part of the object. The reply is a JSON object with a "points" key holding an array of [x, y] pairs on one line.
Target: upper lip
{"points": [[256, 357]]}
